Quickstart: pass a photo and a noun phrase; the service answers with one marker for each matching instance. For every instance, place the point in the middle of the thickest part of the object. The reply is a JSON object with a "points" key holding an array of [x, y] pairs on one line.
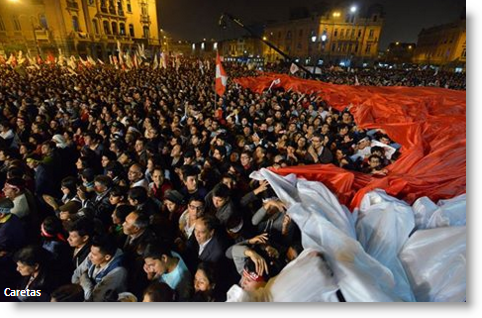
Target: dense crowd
{"points": [[131, 186], [377, 76]]}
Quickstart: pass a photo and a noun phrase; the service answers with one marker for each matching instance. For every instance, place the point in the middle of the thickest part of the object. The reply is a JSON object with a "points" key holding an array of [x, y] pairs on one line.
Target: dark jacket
{"points": [[12, 234], [46, 282]]}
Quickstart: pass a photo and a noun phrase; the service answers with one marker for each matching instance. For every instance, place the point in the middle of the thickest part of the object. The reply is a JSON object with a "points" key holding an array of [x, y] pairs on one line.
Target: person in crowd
{"points": [[80, 237], [166, 266], [205, 285], [68, 293], [159, 292], [33, 265], [102, 270]]}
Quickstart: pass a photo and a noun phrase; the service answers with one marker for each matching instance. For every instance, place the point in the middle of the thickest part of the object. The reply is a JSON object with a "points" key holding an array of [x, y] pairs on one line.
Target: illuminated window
{"points": [[122, 29]]}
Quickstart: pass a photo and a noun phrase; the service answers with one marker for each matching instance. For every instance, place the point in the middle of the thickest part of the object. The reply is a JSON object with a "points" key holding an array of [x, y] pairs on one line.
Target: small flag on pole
{"points": [[273, 83], [221, 77]]}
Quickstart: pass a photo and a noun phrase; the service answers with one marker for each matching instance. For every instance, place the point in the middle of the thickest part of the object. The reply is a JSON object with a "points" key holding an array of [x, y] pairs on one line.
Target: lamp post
{"points": [[353, 10]]}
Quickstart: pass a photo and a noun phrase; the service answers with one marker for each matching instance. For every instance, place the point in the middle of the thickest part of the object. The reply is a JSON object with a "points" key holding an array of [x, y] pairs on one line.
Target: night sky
{"points": [[194, 20]]}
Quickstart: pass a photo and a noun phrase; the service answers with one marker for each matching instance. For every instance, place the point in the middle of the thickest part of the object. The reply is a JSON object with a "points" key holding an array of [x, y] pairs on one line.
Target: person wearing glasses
{"points": [[317, 152], [195, 210]]}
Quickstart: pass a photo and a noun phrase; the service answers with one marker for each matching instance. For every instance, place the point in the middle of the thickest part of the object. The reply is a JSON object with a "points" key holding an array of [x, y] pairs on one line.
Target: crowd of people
{"points": [[134, 186], [410, 76]]}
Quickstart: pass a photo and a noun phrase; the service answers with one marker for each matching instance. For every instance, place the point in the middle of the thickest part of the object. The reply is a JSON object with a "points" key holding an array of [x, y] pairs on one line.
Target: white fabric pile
{"points": [[384, 251]]}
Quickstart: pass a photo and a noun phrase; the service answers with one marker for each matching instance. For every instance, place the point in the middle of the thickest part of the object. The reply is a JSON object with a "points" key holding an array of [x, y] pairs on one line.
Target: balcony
{"points": [[72, 5], [81, 36], [145, 19], [42, 35]]}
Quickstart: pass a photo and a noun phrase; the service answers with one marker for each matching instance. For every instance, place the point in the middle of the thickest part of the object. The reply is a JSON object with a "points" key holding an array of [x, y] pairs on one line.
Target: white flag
{"points": [[275, 82], [294, 68], [155, 65]]}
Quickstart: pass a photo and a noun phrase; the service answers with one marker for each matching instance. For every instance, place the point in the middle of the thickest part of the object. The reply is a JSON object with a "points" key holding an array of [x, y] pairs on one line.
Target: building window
{"points": [[114, 28], [75, 23], [145, 30], [288, 35], [368, 48], [336, 33], [43, 21], [91, 2], [2, 25], [129, 6], [144, 9], [463, 51], [122, 29], [342, 33], [106, 27], [375, 18], [119, 7], [333, 47], [298, 47], [352, 33], [300, 33], [370, 35], [359, 33], [16, 24], [96, 26], [131, 30]]}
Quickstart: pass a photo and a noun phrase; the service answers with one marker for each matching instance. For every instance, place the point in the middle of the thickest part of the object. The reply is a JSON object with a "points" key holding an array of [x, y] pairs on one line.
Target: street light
{"points": [[353, 9]]}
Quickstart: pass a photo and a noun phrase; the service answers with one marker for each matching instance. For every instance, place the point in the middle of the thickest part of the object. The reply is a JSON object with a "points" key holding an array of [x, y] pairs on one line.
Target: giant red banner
{"points": [[428, 122]]}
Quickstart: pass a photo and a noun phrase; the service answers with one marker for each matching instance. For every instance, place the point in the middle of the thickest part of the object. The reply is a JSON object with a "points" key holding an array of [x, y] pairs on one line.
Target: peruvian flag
{"points": [[221, 77]]}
